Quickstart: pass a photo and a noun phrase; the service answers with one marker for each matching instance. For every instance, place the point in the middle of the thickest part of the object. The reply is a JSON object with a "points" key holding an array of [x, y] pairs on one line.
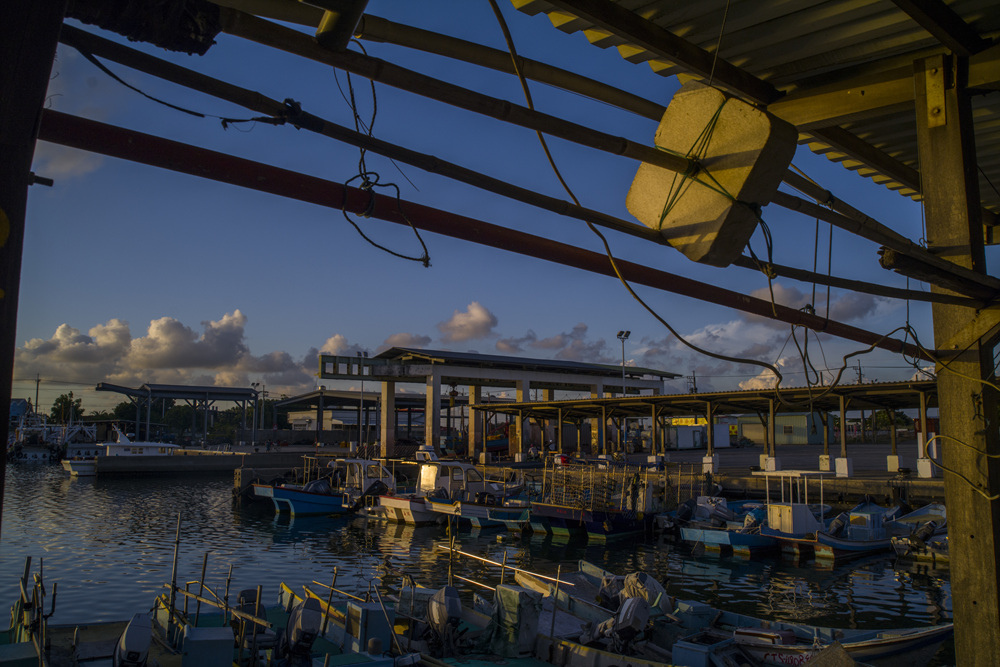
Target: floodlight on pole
{"points": [[623, 336]]}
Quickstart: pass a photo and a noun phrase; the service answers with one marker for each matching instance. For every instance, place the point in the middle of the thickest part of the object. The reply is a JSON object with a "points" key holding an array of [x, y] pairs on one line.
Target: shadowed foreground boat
{"points": [[689, 631]]}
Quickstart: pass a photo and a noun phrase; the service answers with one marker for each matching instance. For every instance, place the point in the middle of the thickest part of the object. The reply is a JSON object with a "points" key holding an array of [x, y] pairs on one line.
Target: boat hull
{"points": [[302, 503], [80, 467], [406, 509]]}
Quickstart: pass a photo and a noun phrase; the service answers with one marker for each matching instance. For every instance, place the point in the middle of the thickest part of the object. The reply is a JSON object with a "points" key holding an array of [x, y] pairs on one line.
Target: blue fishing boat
{"points": [[339, 487], [869, 528], [788, 524]]}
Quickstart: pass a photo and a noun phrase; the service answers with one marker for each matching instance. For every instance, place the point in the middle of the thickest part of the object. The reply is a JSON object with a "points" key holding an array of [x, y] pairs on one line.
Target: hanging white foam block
{"points": [[747, 153]]}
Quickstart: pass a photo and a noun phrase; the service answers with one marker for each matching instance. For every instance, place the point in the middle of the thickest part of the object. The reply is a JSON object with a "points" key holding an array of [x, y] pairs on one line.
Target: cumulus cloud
{"points": [[169, 353], [766, 379], [60, 162], [170, 344], [476, 322], [516, 345], [405, 340]]}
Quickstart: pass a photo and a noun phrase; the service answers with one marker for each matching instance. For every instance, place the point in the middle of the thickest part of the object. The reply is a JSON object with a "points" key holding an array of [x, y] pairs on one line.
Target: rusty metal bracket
{"points": [[934, 84]]}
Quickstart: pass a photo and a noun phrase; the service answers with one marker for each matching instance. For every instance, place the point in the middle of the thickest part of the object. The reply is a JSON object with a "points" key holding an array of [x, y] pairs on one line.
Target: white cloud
{"points": [[170, 344], [766, 379], [476, 322], [405, 340], [169, 353]]}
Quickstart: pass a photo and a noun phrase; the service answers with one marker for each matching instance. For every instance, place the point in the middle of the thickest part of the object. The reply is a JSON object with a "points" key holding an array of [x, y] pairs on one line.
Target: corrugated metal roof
{"points": [[518, 363], [797, 46]]}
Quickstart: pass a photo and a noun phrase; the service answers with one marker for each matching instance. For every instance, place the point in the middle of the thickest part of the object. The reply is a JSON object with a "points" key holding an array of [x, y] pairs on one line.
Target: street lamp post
{"points": [[623, 336]]}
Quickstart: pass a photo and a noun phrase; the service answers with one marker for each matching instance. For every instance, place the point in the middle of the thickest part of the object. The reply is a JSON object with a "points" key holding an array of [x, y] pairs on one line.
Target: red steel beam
{"points": [[89, 135]]}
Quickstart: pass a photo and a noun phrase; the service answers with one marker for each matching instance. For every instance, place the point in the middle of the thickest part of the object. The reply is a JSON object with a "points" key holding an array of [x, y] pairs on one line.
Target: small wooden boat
{"points": [[692, 629], [189, 628], [869, 528]]}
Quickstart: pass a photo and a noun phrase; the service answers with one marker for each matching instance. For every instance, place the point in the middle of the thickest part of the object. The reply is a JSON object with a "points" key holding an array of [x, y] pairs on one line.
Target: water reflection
{"points": [[109, 544]]}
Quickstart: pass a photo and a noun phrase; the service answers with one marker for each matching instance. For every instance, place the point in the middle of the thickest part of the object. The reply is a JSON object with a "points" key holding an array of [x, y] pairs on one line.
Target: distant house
{"points": [[789, 429]]}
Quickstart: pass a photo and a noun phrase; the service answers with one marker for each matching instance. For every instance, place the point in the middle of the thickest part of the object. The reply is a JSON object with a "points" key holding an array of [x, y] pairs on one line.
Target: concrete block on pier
{"points": [[926, 469], [770, 463], [824, 463], [845, 467], [710, 464], [892, 463]]}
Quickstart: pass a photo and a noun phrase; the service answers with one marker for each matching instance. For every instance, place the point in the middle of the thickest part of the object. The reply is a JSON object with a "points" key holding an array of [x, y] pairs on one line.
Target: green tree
{"points": [[125, 412], [66, 408]]}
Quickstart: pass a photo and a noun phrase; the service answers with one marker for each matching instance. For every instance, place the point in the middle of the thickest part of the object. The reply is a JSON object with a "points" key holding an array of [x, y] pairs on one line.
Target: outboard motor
{"points": [[304, 624], [444, 611], [319, 486], [685, 510], [838, 524], [628, 623], [132, 649], [924, 532]]}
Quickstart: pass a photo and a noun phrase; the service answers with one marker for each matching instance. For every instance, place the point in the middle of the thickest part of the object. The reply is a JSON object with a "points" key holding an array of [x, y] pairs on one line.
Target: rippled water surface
{"points": [[109, 543]]}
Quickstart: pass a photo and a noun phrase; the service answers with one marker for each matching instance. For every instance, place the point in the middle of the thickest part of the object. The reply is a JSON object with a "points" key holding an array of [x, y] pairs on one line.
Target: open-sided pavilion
{"points": [[435, 369], [888, 396]]}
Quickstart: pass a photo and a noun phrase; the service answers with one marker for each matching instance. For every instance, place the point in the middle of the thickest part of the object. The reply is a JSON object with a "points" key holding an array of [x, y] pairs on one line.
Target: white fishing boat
{"points": [[87, 466], [451, 482]]}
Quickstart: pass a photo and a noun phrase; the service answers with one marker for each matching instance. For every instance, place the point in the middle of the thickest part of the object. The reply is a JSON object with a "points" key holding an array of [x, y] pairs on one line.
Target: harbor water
{"points": [[109, 543]]}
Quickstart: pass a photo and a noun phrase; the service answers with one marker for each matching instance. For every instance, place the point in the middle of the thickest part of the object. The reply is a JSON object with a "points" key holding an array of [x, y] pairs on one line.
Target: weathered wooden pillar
{"points": [[476, 439], [29, 30], [709, 428], [432, 411], [387, 418], [968, 407], [843, 427], [559, 432], [892, 429], [771, 430]]}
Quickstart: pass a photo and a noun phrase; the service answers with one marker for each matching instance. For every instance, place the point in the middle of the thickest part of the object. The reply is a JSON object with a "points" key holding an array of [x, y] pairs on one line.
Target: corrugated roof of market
{"points": [[800, 48]]}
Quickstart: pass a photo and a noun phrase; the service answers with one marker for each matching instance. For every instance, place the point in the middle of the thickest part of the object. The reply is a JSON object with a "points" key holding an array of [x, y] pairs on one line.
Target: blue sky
{"points": [[134, 274]]}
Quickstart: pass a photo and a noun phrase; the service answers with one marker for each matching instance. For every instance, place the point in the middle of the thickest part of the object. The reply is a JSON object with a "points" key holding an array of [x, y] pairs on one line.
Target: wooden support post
{"points": [[968, 407], [892, 429], [476, 440], [771, 431], [709, 428], [387, 418], [825, 422], [559, 432], [29, 31], [843, 427], [432, 411], [923, 418], [655, 432]]}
